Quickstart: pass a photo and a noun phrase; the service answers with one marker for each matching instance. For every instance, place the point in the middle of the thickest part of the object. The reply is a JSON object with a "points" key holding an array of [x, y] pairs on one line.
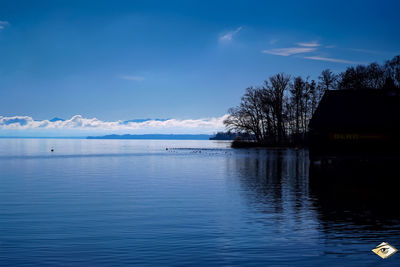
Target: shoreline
{"points": [[250, 144]]}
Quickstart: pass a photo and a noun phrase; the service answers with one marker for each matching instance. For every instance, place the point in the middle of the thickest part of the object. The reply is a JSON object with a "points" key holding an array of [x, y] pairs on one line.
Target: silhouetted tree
{"points": [[314, 96], [276, 88], [280, 110], [353, 78], [327, 81], [261, 111], [297, 102], [269, 121], [392, 70], [248, 116], [373, 76]]}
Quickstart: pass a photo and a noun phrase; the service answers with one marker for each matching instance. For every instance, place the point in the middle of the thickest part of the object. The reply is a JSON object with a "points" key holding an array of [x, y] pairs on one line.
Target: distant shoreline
{"points": [[43, 137], [154, 136]]}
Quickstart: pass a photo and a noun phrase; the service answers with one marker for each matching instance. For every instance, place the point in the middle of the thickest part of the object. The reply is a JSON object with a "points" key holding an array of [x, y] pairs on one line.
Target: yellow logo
{"points": [[384, 250]]}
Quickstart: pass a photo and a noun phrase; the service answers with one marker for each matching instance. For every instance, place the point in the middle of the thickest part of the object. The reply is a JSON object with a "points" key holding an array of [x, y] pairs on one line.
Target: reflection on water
{"points": [[357, 205], [276, 179], [111, 202], [354, 202], [360, 193]]}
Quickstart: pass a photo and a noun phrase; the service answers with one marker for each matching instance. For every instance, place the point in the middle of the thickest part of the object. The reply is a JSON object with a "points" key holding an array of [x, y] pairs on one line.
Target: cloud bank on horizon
{"points": [[79, 124]]}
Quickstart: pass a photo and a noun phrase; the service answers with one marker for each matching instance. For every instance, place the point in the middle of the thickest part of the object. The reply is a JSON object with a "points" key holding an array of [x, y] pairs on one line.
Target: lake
{"points": [[199, 203]]}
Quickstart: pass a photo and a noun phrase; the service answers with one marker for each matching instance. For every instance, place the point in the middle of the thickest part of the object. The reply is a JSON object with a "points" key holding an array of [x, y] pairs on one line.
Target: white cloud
{"points": [[310, 47], [77, 122], [289, 51], [132, 78], [309, 44], [329, 59], [229, 36]]}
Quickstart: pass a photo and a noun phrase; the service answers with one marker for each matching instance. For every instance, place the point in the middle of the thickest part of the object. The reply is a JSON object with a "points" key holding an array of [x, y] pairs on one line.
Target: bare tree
{"points": [[392, 70], [327, 80], [297, 93], [276, 88], [375, 76], [248, 116], [261, 111], [314, 97], [273, 113]]}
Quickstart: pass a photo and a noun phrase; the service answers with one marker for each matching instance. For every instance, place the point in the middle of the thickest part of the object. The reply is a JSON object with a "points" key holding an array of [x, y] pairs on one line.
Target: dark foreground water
{"points": [[132, 202]]}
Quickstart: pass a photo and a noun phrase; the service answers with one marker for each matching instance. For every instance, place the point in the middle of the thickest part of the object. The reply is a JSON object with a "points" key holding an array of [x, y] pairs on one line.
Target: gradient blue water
{"points": [[199, 203]]}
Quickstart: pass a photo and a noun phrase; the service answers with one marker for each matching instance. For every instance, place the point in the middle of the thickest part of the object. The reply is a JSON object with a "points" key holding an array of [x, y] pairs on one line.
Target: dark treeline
{"points": [[277, 113], [231, 136]]}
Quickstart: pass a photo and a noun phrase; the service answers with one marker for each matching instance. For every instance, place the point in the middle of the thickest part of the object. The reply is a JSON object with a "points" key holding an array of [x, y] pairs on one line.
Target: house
{"points": [[356, 122]]}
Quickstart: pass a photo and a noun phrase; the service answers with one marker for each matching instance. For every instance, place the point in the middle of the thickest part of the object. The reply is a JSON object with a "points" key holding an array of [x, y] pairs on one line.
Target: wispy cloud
{"points": [[310, 50], [329, 59], [78, 122], [289, 51], [227, 37], [3, 24], [132, 78], [309, 44]]}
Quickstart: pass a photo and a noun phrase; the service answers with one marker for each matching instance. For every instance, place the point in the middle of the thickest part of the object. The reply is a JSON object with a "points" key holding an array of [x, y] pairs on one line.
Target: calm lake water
{"points": [[199, 203]]}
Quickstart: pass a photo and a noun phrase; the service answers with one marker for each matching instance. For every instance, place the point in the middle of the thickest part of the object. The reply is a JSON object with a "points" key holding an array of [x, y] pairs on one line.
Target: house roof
{"points": [[362, 109]]}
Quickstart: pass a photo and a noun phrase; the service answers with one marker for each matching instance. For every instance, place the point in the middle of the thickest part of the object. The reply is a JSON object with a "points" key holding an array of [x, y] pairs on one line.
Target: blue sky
{"points": [[182, 60]]}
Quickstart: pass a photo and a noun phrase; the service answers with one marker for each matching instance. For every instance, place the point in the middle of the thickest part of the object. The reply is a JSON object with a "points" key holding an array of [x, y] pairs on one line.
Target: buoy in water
{"points": [[52, 150]]}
